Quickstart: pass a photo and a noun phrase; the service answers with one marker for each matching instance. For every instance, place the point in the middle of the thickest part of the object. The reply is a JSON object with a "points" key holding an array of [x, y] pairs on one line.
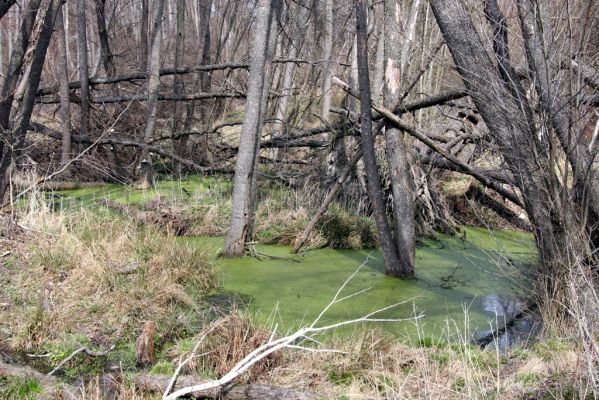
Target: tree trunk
{"points": [[153, 85], [23, 112], [83, 68], [203, 83], [65, 103], [501, 106], [245, 166], [8, 88], [327, 49], [106, 57], [392, 263], [280, 125], [143, 36], [178, 81], [400, 174]]}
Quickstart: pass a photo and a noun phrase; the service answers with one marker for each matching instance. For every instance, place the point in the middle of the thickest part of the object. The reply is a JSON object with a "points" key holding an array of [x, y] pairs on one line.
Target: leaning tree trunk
{"points": [[106, 56], [245, 166], [501, 105], [400, 174], [8, 88], [22, 115], [390, 256], [153, 85]]}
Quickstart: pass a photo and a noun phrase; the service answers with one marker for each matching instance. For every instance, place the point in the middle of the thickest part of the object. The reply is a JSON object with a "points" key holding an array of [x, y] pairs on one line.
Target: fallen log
{"points": [[144, 97], [158, 383], [163, 72], [52, 387]]}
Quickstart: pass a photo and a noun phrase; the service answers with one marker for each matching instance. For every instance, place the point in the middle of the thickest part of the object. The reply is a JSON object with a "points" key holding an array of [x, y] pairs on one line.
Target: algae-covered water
{"points": [[455, 278], [453, 282]]}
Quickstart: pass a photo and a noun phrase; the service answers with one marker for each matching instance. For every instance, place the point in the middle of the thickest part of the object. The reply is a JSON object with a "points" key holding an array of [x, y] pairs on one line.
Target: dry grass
{"points": [[93, 278]]}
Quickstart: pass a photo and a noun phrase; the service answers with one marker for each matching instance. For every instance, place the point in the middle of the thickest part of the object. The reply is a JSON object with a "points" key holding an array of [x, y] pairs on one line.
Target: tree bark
{"points": [[392, 263], [245, 166], [153, 85], [400, 174], [178, 81]]}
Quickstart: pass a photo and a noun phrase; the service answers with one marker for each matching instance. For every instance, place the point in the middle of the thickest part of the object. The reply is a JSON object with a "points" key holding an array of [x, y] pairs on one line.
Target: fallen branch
{"points": [[304, 334], [164, 72], [81, 349]]}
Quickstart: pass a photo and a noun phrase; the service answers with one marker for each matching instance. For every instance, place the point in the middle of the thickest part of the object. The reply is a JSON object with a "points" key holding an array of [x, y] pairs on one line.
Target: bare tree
{"points": [[153, 85], [400, 174], [392, 262], [83, 67], [245, 167]]}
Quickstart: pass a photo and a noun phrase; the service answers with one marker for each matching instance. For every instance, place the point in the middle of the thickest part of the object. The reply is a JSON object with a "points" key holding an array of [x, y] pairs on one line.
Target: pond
{"points": [[459, 285]]}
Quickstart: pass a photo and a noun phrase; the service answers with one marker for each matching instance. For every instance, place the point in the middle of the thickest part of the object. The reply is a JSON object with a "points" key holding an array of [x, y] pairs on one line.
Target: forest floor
{"points": [[79, 271]]}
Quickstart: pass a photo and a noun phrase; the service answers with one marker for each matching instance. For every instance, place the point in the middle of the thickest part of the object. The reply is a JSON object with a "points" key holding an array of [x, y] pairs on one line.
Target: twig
{"points": [[82, 349]]}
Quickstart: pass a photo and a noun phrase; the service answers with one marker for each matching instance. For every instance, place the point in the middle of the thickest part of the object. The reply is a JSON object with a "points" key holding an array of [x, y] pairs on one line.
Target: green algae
{"points": [[452, 278]]}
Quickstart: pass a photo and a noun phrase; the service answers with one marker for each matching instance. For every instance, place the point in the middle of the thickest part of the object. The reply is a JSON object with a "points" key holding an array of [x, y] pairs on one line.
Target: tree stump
{"points": [[144, 348]]}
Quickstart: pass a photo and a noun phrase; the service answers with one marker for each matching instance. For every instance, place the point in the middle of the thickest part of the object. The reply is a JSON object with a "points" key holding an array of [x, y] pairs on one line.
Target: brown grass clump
{"points": [[101, 275], [228, 341]]}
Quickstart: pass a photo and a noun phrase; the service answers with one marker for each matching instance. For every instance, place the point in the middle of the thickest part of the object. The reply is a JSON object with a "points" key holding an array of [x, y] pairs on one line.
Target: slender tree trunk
{"points": [[153, 85], [106, 57], [203, 84], [83, 68], [245, 166], [327, 51], [143, 36], [400, 174], [178, 81], [65, 103], [390, 256], [280, 124], [22, 115]]}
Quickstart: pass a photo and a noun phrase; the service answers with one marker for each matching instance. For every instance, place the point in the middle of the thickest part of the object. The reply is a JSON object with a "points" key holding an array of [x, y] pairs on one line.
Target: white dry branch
{"points": [[302, 334]]}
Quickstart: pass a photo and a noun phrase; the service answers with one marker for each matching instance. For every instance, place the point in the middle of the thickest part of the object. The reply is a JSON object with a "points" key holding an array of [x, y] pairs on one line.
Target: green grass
{"points": [[17, 388]]}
